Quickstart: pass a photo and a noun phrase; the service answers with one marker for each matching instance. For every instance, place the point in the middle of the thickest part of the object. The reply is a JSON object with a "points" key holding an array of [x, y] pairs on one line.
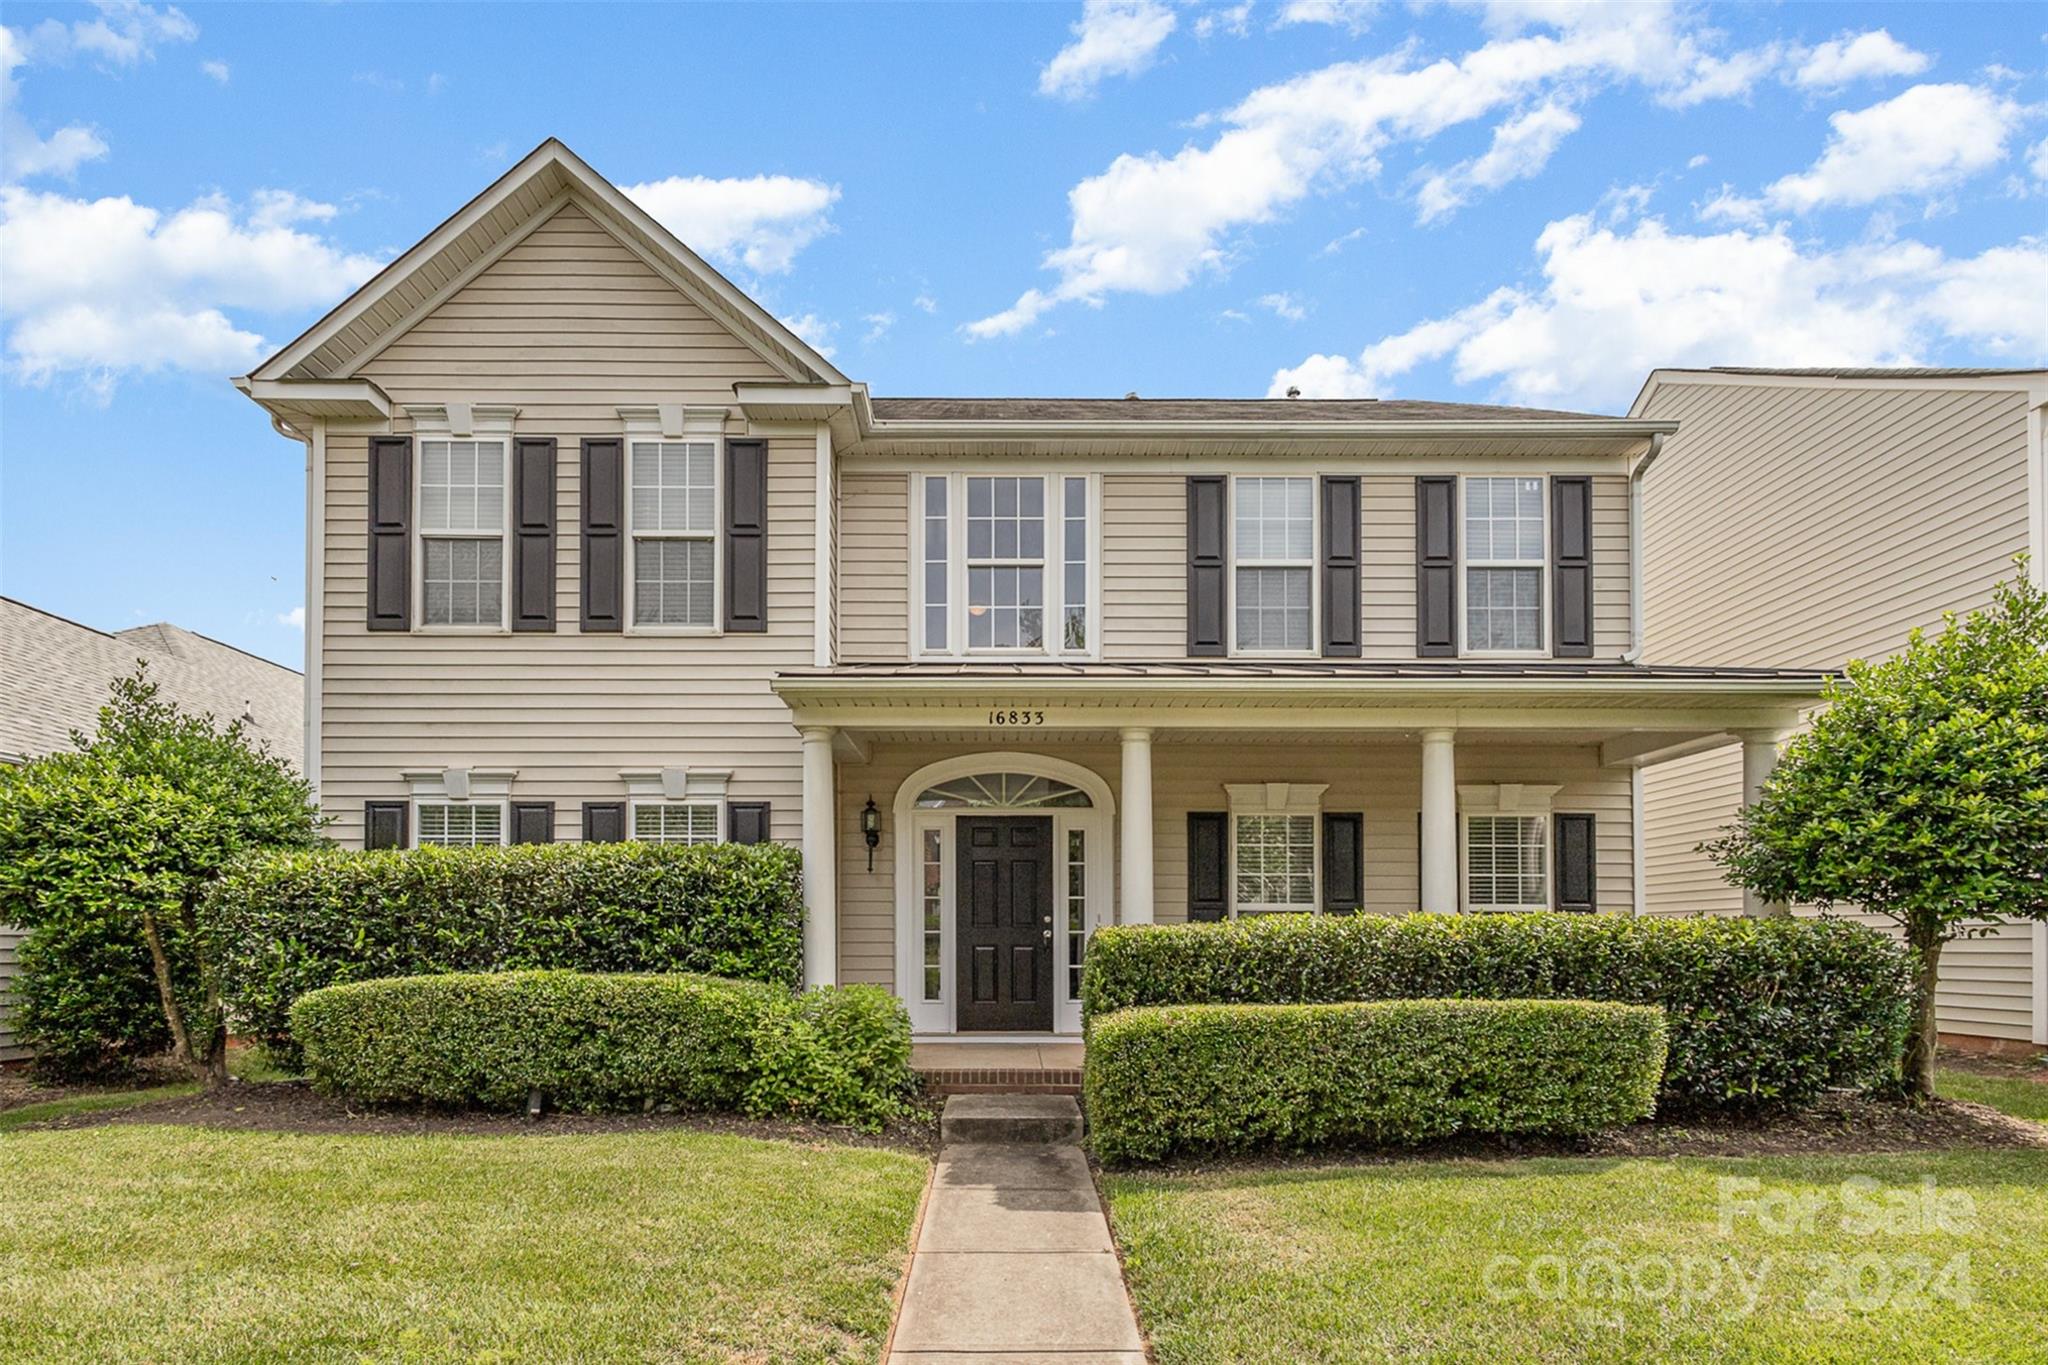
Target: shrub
{"points": [[1179, 1077], [289, 923], [595, 1042], [1761, 1011]]}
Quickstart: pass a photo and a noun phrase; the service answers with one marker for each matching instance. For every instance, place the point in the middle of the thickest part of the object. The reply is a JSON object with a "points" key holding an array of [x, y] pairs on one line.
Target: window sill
{"points": [[675, 632], [463, 630]]}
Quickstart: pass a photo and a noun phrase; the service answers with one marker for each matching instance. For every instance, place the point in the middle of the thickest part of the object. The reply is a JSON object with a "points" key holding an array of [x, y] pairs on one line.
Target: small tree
{"points": [[1920, 793], [103, 854]]}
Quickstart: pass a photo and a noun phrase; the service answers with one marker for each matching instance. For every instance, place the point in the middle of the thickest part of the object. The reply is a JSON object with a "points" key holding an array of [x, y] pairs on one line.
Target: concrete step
{"points": [[1034, 1119]]}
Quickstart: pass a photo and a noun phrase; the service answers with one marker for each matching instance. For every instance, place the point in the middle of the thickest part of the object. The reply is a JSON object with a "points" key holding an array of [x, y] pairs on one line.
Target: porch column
{"points": [[1439, 821], [1135, 906], [1759, 756], [821, 864]]}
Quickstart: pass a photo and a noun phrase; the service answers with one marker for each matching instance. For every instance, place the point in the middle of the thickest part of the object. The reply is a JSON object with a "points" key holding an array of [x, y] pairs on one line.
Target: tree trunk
{"points": [[1920, 1048], [160, 961]]}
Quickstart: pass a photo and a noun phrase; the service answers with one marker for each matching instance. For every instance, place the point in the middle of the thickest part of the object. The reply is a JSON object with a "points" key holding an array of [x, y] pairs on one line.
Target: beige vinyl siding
{"points": [[1382, 778], [1144, 566], [1801, 526], [1387, 565], [875, 568], [568, 326], [10, 959]]}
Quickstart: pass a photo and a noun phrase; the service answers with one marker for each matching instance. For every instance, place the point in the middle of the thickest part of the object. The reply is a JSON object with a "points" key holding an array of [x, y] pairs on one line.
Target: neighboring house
{"points": [[1810, 517], [599, 549], [54, 676]]}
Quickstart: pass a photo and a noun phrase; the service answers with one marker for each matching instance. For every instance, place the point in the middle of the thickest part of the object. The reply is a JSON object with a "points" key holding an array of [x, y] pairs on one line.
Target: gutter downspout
{"points": [[316, 509], [1635, 548]]}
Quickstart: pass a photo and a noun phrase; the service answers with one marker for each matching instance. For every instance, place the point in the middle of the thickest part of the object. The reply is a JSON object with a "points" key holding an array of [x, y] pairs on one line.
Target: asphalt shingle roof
{"points": [[1208, 410]]}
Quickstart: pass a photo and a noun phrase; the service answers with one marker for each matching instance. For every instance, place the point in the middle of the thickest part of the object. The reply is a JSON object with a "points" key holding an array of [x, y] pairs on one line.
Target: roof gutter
{"points": [[1571, 430], [818, 687], [1635, 546]]}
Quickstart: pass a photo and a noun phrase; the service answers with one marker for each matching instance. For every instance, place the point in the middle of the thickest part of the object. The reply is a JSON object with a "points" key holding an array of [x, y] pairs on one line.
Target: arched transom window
{"points": [[1011, 790]]}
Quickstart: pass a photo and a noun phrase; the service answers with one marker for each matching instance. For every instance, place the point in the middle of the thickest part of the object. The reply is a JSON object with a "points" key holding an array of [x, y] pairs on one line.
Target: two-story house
{"points": [[599, 549]]}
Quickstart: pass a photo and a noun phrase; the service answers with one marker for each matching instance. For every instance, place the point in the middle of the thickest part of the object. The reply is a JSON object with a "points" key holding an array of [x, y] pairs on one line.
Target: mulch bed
{"points": [[294, 1107]]}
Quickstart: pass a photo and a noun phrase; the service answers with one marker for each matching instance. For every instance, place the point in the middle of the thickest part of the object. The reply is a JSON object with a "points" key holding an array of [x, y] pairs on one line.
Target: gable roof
{"points": [[482, 230], [54, 675], [2029, 379]]}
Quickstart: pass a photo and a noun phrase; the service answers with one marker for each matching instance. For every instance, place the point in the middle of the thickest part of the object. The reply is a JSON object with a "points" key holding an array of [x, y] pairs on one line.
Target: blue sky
{"points": [[1526, 201]]}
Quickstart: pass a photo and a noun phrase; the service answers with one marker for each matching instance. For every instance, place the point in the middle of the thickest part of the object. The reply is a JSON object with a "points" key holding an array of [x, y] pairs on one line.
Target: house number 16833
{"points": [[1016, 718]]}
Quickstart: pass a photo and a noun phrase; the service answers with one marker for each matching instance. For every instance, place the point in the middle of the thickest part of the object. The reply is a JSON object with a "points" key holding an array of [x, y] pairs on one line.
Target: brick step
{"points": [[1010, 1119], [1015, 1080]]}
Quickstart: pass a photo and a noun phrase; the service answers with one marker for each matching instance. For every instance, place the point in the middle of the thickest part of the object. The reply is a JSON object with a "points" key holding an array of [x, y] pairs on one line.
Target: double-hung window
{"points": [[1504, 565], [460, 824], [1507, 845], [1274, 545], [673, 511], [675, 822], [462, 532], [676, 805], [1006, 564], [1275, 856]]}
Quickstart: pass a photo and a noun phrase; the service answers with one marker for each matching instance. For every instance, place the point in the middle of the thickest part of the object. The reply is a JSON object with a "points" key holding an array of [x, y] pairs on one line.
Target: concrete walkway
{"points": [[1013, 1261]]}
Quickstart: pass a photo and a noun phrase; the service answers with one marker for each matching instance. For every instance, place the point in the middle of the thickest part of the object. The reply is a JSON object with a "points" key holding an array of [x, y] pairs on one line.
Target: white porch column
{"points": [[1439, 821], [1759, 756], [1135, 905], [821, 863]]}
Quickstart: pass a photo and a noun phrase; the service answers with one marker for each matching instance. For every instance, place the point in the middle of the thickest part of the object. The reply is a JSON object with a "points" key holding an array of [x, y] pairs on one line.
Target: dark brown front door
{"points": [[1005, 900]]}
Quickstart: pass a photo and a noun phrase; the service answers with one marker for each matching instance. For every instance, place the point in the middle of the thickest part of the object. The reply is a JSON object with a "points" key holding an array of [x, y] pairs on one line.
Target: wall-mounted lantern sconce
{"points": [[871, 829]]}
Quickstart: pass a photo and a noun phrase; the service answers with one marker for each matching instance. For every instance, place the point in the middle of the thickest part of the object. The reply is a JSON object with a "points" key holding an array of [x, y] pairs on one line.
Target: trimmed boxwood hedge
{"points": [[1762, 1011], [287, 923], [1174, 1078], [609, 1042]]}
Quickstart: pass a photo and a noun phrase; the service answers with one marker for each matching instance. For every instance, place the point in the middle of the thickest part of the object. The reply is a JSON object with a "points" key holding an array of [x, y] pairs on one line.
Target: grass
{"points": [[1579, 1260], [166, 1242], [2015, 1095]]}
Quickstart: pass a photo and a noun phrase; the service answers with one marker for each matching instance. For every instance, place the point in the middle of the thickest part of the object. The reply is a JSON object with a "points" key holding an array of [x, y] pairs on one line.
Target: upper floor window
{"points": [[673, 512], [1504, 565], [1006, 564], [1274, 545], [462, 532]]}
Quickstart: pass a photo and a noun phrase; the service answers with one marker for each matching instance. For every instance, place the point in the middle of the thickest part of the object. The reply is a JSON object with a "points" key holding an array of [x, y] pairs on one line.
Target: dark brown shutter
{"points": [[533, 533], [1576, 874], [748, 821], [1208, 566], [390, 573], [1344, 861], [604, 544], [384, 824], [533, 822], [1341, 598], [604, 822], [1571, 567], [746, 535], [1436, 566], [1208, 864]]}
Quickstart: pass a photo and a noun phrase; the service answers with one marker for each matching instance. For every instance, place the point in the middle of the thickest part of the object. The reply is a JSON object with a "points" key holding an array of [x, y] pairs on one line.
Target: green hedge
{"points": [[595, 1042], [288, 923], [1762, 1011], [1229, 1077]]}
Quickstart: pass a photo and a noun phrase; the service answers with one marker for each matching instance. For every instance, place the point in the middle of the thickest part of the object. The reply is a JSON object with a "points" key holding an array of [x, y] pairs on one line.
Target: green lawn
{"points": [[164, 1242], [2015, 1095], [1579, 1260]]}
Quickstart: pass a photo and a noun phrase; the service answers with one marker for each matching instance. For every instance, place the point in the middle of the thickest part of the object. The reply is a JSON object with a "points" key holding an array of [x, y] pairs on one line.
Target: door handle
{"points": [[1046, 932]]}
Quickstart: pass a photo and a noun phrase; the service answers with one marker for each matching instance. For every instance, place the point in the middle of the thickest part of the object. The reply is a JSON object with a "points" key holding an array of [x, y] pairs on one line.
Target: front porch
{"points": [[1010, 1066], [1019, 811]]}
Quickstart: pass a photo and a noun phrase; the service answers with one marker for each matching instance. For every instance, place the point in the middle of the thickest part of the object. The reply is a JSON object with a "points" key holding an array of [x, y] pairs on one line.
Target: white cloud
{"points": [[1234, 20], [1616, 300], [1151, 222], [1695, 162], [295, 618], [761, 221], [1722, 78], [878, 325], [1285, 306], [123, 34], [815, 331], [93, 288], [1355, 15], [1926, 139], [1857, 57], [1113, 38], [216, 69], [1521, 148], [2037, 160], [925, 303]]}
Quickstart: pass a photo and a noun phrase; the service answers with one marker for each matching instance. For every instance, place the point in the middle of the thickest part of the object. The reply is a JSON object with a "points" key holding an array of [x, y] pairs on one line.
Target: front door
{"points": [[1005, 901]]}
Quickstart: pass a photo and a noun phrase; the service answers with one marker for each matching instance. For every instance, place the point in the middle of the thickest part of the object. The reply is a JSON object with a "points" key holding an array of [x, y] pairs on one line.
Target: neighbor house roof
{"points": [[54, 676], [1881, 371], [1205, 410]]}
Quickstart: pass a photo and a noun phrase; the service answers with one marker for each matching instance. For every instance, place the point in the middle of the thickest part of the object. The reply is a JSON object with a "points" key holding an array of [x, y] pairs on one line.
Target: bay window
{"points": [[1005, 564], [1273, 543], [1504, 565]]}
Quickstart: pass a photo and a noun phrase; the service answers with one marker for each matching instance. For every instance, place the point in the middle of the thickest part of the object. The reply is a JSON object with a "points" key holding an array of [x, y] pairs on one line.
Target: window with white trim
{"points": [[462, 509], [1275, 854], [460, 824], [1506, 841], [675, 822], [676, 805], [1007, 563], [673, 513], [1505, 563], [1273, 545]]}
